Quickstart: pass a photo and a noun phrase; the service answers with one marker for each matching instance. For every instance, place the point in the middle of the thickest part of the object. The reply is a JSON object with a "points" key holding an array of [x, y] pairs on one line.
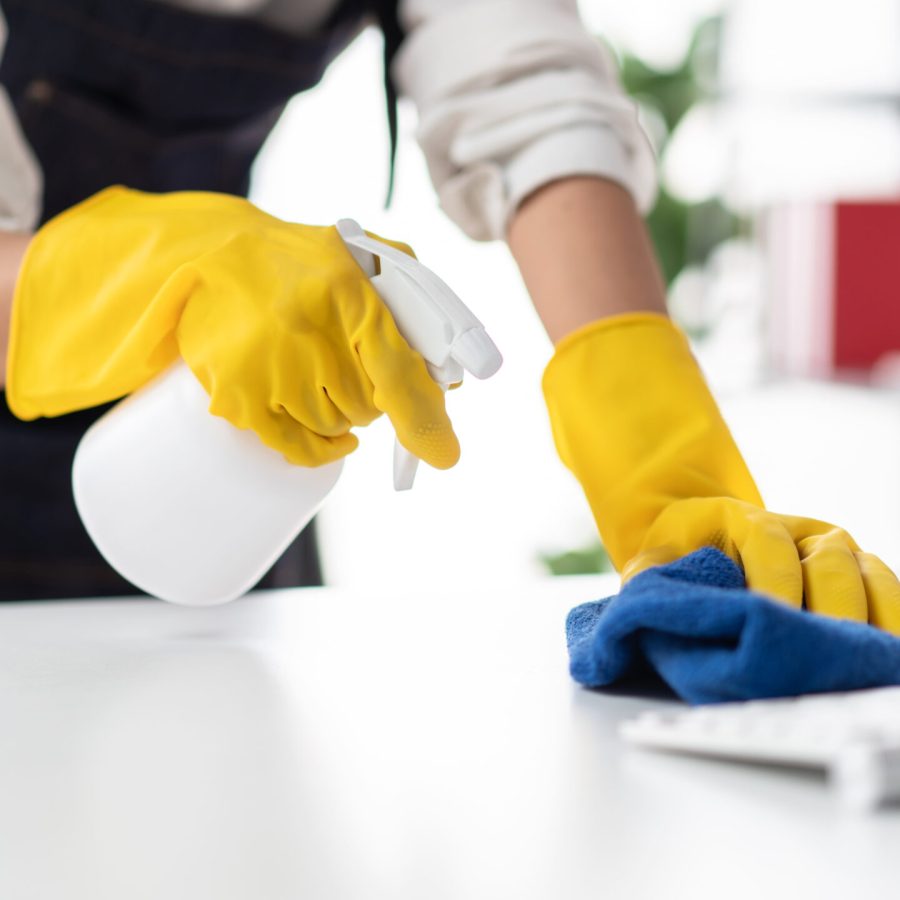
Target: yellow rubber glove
{"points": [[634, 420], [276, 320]]}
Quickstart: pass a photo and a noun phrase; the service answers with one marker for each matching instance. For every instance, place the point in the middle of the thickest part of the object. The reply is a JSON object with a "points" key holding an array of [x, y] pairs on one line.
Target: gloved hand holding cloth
{"points": [[276, 320], [634, 420]]}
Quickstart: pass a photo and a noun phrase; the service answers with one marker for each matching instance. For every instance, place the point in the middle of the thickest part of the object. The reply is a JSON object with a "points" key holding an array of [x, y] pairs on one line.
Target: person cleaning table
{"points": [[125, 149]]}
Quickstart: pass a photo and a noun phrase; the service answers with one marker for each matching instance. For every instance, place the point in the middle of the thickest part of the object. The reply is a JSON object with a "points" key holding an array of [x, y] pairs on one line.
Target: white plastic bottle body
{"points": [[184, 505]]}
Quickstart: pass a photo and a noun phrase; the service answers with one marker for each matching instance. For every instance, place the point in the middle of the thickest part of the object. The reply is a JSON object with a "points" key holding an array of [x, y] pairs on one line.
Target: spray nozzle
{"points": [[431, 318]]}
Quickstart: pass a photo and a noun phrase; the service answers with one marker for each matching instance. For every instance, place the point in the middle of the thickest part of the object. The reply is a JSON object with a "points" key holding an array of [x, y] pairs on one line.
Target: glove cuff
{"points": [[612, 323]]}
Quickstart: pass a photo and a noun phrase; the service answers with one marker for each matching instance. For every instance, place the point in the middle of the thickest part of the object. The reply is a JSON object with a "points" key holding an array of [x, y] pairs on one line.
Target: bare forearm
{"points": [[584, 254], [12, 249]]}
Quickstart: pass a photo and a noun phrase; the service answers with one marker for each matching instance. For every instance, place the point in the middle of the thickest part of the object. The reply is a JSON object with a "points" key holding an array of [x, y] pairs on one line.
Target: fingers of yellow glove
{"points": [[770, 560], [688, 525], [802, 527], [752, 537], [280, 431], [422, 424], [882, 592], [408, 395], [648, 559], [832, 582], [298, 445], [313, 408], [397, 245], [329, 400]]}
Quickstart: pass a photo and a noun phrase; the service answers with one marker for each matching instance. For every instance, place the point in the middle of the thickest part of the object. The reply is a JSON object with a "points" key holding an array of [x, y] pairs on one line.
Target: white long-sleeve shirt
{"points": [[511, 94]]}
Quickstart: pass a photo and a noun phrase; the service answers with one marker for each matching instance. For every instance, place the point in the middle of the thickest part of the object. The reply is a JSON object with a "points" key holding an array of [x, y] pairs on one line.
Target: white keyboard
{"points": [[854, 737]]}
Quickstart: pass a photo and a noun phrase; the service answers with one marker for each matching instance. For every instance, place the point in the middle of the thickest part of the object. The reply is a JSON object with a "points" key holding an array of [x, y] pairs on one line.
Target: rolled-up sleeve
{"points": [[21, 182], [513, 94]]}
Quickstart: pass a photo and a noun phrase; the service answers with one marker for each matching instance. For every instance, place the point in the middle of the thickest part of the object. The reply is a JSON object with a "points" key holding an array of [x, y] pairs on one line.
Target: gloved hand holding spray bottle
{"points": [[193, 510]]}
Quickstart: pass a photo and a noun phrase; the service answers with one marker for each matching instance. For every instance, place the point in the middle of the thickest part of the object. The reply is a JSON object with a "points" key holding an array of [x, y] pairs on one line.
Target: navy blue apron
{"points": [[138, 93]]}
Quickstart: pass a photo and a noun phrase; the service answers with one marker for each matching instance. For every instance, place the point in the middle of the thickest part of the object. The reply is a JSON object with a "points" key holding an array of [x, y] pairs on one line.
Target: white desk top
{"points": [[325, 745]]}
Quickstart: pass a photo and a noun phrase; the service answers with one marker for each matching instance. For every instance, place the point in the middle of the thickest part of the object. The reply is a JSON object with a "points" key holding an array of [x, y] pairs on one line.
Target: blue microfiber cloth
{"points": [[695, 624]]}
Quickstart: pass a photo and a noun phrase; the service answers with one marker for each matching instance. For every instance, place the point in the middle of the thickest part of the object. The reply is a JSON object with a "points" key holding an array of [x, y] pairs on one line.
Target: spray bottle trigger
{"points": [[429, 315]]}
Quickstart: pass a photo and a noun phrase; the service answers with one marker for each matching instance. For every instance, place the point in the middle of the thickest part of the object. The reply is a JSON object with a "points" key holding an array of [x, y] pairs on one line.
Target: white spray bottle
{"points": [[189, 508]]}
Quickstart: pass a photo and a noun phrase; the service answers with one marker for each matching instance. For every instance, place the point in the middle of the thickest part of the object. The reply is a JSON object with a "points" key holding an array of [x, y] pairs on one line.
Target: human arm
{"points": [[635, 422], [584, 253], [530, 138]]}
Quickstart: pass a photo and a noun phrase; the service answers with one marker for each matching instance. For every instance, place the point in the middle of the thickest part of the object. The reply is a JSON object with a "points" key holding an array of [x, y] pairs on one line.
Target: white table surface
{"points": [[323, 744]]}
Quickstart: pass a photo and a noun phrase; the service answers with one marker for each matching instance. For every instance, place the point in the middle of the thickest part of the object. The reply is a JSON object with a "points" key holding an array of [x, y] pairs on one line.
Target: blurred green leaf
{"points": [[668, 226], [586, 561], [674, 91], [683, 234]]}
